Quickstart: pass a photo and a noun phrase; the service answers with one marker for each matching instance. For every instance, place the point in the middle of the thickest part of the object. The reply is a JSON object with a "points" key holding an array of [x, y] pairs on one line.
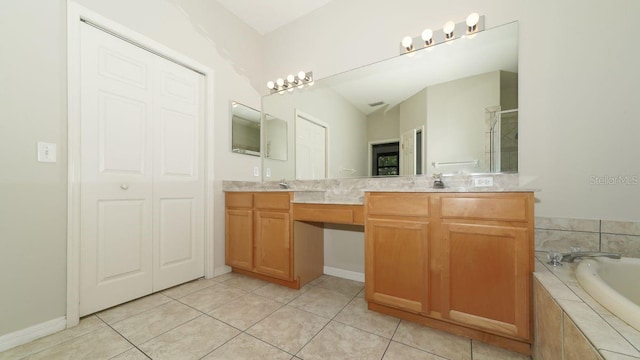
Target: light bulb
{"points": [[291, 78], [472, 19], [448, 28], [280, 82], [407, 43], [234, 104], [301, 75], [271, 85], [427, 36]]}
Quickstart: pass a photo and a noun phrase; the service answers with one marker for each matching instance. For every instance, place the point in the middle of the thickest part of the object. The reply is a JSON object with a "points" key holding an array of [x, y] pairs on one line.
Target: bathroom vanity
{"points": [[456, 261]]}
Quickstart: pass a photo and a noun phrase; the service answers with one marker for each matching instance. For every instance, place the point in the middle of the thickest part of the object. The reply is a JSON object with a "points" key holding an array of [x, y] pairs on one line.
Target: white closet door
{"points": [[178, 163], [142, 168], [116, 176]]}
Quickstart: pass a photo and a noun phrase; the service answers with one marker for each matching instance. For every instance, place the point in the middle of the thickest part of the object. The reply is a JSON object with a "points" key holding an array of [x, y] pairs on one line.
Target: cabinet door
{"points": [[239, 239], [396, 254], [486, 280], [273, 244]]}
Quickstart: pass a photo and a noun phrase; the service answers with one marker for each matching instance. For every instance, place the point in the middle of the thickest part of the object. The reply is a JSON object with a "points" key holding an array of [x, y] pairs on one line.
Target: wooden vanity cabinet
{"points": [[487, 252], [239, 230], [459, 262], [397, 251], [258, 237], [273, 240]]}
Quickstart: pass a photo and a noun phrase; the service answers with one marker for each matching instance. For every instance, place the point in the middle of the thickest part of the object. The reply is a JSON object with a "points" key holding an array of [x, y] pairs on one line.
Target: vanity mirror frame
{"points": [[499, 39]]}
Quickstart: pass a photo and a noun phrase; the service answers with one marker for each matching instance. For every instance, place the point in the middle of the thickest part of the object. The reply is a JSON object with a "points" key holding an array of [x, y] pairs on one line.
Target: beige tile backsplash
{"points": [[589, 235]]}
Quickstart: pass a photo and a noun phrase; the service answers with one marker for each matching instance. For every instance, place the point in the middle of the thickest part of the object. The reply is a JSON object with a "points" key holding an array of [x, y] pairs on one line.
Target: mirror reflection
{"points": [[245, 129], [275, 134], [450, 108]]}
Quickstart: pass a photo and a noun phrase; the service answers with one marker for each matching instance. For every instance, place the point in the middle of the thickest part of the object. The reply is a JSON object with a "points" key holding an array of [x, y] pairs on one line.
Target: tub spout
{"points": [[572, 256]]}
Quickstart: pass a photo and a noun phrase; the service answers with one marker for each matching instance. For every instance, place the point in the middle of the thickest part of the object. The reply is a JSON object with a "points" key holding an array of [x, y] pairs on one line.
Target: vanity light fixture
{"points": [[291, 82], [449, 28], [407, 43], [427, 37], [474, 23]]}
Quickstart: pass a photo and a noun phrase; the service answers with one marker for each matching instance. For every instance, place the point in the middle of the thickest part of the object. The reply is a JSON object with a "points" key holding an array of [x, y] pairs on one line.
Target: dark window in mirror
{"points": [[419, 152], [385, 158]]}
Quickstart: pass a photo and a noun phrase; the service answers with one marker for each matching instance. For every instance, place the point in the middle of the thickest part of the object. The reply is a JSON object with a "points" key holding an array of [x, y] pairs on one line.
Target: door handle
{"points": [[124, 186]]}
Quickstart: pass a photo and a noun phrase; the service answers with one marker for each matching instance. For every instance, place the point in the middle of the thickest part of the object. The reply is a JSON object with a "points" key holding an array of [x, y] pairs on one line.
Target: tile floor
{"points": [[237, 317]]}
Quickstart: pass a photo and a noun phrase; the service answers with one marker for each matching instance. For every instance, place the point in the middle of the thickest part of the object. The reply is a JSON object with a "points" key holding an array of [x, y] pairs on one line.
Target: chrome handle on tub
{"points": [[124, 186]]}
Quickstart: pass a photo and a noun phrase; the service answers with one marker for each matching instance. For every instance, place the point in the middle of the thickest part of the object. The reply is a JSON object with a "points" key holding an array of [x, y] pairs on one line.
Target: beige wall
{"points": [[383, 124], [33, 100], [413, 111]]}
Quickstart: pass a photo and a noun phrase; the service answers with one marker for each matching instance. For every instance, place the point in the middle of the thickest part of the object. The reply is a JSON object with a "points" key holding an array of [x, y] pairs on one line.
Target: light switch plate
{"points": [[267, 172], [47, 152], [256, 171]]}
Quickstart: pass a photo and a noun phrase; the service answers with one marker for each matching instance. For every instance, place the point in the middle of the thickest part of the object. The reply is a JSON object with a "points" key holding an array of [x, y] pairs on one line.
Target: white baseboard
{"points": [[31, 333], [221, 270], [345, 274]]}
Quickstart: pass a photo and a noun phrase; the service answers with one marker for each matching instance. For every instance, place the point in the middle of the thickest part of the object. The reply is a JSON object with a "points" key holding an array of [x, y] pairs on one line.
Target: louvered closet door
{"points": [[141, 172]]}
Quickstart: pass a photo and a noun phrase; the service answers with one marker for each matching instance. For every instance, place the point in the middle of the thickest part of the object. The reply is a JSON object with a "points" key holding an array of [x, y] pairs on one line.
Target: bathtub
{"points": [[614, 284]]}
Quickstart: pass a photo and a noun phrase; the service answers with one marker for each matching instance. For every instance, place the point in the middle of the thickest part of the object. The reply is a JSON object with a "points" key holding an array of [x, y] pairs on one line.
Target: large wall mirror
{"points": [[449, 108], [245, 129]]}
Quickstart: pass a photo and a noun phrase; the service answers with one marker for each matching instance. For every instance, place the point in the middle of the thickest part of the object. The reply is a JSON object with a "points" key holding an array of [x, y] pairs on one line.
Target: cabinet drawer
{"points": [[239, 199], [273, 201], [398, 204], [485, 208], [330, 213]]}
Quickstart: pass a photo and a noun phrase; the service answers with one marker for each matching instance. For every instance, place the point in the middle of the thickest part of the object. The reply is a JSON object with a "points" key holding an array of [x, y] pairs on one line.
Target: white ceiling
{"points": [[267, 15]]}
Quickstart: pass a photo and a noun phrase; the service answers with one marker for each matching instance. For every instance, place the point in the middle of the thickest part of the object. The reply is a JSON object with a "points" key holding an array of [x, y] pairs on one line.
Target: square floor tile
{"points": [[103, 343], [246, 283], [288, 328], [344, 286], [243, 312], [280, 293], [357, 314], [227, 276], [482, 351], [321, 301], [154, 322], [191, 340], [86, 325], [133, 354], [397, 351], [132, 308], [212, 297], [179, 291], [339, 341], [434, 341], [246, 347]]}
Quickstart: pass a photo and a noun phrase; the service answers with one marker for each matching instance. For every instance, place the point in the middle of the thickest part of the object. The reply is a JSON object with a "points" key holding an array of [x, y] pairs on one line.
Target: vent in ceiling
{"points": [[377, 103]]}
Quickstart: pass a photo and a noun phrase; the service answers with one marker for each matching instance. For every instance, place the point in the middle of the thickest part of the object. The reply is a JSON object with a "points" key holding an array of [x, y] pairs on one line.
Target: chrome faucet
{"points": [[283, 184], [437, 183], [572, 256]]}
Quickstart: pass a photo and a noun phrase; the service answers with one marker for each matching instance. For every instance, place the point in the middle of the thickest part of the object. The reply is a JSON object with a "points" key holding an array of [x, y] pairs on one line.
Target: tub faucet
{"points": [[572, 256]]}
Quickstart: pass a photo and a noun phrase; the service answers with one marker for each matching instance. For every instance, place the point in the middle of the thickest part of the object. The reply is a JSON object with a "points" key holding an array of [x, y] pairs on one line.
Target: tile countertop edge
{"points": [[555, 282]]}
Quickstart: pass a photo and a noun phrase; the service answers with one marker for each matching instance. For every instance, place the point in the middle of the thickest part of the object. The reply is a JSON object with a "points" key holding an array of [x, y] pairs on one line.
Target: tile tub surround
{"points": [[351, 190], [612, 337], [590, 235], [327, 319]]}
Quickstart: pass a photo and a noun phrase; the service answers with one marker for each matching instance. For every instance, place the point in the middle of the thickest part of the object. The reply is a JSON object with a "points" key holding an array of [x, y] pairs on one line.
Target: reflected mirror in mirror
{"points": [[275, 134], [245, 129], [450, 108]]}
